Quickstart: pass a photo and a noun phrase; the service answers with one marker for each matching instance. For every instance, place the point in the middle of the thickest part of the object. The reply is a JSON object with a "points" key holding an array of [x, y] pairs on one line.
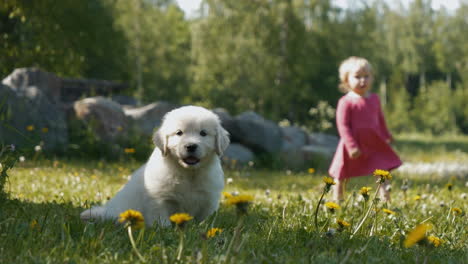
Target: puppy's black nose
{"points": [[191, 147]]}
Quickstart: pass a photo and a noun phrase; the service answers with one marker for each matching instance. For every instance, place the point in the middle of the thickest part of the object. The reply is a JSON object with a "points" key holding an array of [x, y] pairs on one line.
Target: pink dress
{"points": [[361, 124]]}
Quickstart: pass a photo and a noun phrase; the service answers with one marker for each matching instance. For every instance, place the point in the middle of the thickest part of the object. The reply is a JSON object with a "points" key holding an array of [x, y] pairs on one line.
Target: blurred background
{"points": [[276, 58]]}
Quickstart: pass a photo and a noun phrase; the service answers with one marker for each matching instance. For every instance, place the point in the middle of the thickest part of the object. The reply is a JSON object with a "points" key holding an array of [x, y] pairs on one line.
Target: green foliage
{"points": [[433, 110], [69, 38], [321, 117], [278, 58], [8, 158], [460, 106], [398, 118], [158, 48], [85, 144]]}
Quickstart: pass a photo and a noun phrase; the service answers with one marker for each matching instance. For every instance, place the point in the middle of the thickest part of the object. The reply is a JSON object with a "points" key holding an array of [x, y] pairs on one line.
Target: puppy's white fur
{"points": [[175, 179]]}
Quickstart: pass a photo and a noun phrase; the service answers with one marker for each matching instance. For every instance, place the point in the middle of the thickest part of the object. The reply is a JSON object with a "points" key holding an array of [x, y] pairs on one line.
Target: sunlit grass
{"points": [[40, 221]]}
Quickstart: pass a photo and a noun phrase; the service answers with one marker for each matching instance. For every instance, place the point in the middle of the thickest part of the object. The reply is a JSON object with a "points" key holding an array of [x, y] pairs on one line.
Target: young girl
{"points": [[364, 138]]}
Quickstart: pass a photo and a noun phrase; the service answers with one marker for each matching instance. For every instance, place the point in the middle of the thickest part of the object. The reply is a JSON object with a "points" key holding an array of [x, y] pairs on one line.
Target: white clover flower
{"points": [[229, 180], [267, 192], [251, 163], [37, 148], [22, 158], [463, 195]]}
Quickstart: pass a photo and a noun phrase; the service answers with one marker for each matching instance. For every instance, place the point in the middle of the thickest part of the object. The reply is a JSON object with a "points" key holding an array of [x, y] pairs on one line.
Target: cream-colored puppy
{"points": [[183, 174]]}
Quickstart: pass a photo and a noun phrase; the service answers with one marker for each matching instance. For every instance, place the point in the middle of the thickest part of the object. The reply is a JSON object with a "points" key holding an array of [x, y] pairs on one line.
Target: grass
{"points": [[39, 223]]}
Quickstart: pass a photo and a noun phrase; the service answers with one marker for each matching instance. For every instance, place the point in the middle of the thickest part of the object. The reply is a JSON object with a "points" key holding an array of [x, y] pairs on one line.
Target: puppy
{"points": [[183, 174]]}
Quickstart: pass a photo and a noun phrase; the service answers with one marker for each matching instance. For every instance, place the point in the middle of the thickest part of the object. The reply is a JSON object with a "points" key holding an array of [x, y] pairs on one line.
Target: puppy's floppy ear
{"points": [[222, 140], [160, 140]]}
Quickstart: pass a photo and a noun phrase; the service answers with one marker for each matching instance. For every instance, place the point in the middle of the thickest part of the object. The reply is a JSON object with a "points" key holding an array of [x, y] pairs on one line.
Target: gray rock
{"points": [[125, 101], [323, 139], [236, 153], [292, 156], [28, 116], [322, 144], [145, 119], [20, 81], [256, 133], [293, 138], [106, 118]]}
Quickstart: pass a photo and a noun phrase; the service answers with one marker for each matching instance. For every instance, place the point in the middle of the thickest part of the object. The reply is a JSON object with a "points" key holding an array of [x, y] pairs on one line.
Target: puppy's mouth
{"points": [[191, 160]]}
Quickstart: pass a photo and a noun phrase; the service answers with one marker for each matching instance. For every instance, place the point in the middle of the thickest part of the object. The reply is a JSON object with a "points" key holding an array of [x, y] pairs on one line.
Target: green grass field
{"points": [[39, 222]]}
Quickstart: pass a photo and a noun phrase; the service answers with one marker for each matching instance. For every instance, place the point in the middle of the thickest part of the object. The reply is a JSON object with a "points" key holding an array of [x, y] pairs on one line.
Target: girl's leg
{"points": [[338, 190]]}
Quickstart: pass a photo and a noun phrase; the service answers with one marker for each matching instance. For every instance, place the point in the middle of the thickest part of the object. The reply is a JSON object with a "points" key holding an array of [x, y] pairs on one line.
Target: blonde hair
{"points": [[347, 66]]}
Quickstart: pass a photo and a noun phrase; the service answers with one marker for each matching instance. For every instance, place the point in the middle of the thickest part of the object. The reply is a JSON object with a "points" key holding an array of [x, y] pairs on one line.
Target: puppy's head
{"points": [[191, 135]]}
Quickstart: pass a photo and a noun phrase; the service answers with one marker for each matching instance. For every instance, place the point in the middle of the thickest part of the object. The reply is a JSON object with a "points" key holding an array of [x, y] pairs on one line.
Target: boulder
{"points": [[30, 117], [324, 144], [106, 117], [236, 155], [146, 118], [321, 146], [125, 101], [294, 138], [292, 156], [20, 81], [256, 133]]}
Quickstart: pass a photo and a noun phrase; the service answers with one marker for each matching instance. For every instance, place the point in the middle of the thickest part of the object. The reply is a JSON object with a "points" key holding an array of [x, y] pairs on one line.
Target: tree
{"points": [[158, 49], [69, 38]]}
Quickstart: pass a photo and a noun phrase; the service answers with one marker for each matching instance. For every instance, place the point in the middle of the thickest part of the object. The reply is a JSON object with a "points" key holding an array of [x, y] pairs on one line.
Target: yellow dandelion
{"points": [[239, 199], [365, 192], [133, 218], [449, 186], [180, 219], [129, 150], [328, 180], [416, 235], [311, 170], [388, 211], [332, 206], [435, 241], [383, 174], [456, 211], [417, 197], [342, 223], [33, 224], [213, 232], [241, 202], [226, 195], [30, 128], [45, 130]]}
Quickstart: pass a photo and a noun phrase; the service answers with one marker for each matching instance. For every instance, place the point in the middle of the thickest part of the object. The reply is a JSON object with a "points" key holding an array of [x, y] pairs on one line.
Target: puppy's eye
{"points": [[179, 133], [203, 133]]}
